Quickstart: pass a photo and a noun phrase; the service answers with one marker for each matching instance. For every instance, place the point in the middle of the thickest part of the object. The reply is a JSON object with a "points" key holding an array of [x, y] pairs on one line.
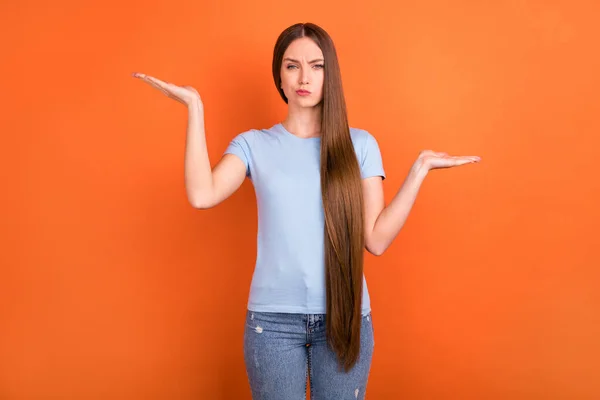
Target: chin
{"points": [[308, 103]]}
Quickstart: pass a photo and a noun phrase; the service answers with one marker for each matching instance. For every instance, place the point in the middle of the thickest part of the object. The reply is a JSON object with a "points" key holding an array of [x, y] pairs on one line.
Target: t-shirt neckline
{"points": [[297, 137]]}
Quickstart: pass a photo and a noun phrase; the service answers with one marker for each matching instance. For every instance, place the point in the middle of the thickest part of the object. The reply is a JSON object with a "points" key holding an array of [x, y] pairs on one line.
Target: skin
{"points": [[302, 68], [208, 187]]}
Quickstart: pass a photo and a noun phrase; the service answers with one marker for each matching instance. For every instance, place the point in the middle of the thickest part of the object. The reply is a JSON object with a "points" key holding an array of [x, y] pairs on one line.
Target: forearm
{"points": [[198, 171], [392, 218]]}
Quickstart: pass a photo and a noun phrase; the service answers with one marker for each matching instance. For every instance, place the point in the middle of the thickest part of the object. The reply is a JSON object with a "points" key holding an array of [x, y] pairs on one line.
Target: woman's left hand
{"points": [[430, 159]]}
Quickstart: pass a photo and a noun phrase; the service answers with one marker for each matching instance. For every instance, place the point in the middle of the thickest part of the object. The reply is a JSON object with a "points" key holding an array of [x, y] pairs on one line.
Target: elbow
{"points": [[199, 205], [200, 202], [375, 249], [377, 252]]}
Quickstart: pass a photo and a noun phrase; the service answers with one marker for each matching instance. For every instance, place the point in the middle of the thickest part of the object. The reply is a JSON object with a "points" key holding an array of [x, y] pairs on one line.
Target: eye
{"points": [[289, 66], [319, 65]]}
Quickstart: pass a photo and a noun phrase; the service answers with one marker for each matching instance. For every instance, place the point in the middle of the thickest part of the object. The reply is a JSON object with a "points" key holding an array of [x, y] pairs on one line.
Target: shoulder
{"points": [[246, 136], [368, 153], [362, 139], [255, 136], [360, 136]]}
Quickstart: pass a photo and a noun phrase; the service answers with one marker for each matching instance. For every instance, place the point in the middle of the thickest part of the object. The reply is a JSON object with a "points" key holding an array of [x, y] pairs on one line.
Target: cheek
{"points": [[321, 86], [285, 84]]}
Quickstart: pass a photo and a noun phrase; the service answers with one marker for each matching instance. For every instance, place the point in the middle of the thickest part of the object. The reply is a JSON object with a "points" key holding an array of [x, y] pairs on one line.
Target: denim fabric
{"points": [[282, 349]]}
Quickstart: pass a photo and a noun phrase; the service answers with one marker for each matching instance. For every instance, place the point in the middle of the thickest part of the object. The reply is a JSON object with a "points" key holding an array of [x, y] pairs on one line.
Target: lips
{"points": [[302, 92]]}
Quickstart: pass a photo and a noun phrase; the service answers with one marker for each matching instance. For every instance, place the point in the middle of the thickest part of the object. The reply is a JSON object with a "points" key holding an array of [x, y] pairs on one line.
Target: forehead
{"points": [[303, 48]]}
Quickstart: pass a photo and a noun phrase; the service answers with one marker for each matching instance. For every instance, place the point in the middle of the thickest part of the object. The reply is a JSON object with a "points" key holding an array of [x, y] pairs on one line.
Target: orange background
{"points": [[114, 287]]}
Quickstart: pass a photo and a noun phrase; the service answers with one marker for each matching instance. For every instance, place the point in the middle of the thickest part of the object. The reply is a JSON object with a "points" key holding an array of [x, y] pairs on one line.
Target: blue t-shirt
{"points": [[289, 274]]}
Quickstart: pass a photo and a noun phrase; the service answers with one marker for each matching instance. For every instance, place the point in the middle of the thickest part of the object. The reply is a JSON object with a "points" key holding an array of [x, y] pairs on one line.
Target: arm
{"points": [[206, 187], [384, 223]]}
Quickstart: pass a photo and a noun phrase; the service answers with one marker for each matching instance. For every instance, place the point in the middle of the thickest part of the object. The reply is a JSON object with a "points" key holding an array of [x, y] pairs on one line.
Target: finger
{"points": [[164, 91], [151, 83], [157, 86], [157, 81], [160, 85], [468, 160], [144, 78], [461, 161], [150, 79], [140, 76]]}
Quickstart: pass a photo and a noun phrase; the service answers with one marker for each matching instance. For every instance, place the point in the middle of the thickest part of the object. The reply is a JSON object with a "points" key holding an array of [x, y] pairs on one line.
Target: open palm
{"points": [[183, 94], [432, 160]]}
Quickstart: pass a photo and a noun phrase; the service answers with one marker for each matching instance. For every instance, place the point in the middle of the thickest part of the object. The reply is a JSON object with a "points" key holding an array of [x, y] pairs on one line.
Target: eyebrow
{"points": [[310, 62]]}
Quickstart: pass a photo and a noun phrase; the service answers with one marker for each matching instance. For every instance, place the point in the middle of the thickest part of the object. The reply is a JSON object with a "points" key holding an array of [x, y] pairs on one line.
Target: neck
{"points": [[304, 122]]}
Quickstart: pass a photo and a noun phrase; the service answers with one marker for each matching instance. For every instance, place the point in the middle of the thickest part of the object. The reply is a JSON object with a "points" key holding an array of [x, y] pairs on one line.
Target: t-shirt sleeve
{"points": [[371, 163], [239, 146]]}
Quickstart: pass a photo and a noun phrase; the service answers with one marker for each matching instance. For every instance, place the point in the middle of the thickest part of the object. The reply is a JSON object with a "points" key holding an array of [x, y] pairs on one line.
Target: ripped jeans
{"points": [[281, 350]]}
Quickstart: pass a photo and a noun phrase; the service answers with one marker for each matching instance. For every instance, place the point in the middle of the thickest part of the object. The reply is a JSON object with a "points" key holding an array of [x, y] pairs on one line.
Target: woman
{"points": [[320, 200]]}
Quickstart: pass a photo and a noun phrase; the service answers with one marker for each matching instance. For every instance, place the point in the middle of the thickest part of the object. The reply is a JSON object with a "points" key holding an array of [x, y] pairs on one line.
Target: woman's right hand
{"points": [[186, 95]]}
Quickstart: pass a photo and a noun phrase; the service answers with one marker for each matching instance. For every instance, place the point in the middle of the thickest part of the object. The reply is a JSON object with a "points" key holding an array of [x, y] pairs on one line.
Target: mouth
{"points": [[303, 92]]}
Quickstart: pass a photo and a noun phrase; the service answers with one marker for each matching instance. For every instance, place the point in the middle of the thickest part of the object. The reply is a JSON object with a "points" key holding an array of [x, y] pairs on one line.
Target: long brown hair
{"points": [[341, 192]]}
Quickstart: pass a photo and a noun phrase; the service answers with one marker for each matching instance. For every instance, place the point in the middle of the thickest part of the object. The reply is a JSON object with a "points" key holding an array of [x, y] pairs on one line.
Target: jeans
{"points": [[281, 350]]}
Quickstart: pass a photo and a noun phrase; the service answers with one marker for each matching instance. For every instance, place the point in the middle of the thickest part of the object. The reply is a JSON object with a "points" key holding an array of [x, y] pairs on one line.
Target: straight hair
{"points": [[341, 191]]}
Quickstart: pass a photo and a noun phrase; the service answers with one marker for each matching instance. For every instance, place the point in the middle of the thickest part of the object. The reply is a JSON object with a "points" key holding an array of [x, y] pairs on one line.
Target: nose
{"points": [[304, 76]]}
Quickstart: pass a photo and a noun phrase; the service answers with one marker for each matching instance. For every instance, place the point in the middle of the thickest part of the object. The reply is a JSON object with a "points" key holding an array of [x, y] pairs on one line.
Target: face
{"points": [[302, 69]]}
